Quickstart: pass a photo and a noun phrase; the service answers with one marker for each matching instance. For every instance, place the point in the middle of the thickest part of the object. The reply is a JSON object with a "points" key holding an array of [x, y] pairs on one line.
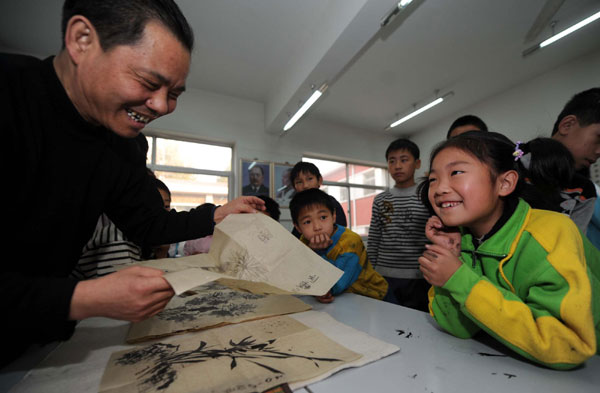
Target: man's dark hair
{"points": [[310, 197], [585, 106], [122, 22], [304, 167], [271, 206], [403, 144], [466, 120]]}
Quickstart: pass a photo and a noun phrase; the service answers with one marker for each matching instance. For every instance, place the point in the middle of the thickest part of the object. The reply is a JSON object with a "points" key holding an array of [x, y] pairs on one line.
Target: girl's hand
{"points": [[438, 264], [327, 298], [447, 237]]}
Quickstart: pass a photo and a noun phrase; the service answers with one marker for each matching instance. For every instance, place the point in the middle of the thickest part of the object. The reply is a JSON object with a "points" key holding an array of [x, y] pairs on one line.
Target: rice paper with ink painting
{"points": [[247, 357], [254, 247], [209, 306]]}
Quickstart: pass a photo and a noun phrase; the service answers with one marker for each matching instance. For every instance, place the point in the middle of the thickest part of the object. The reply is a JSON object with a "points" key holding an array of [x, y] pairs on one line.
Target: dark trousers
{"points": [[408, 292]]}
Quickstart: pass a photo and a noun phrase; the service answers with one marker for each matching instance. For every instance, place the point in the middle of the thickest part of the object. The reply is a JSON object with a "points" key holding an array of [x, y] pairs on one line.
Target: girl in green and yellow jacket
{"points": [[525, 276]]}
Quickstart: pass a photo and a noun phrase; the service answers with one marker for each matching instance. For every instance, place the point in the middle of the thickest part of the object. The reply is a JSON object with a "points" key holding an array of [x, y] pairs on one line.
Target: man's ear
{"points": [[567, 125], [507, 182], [80, 38], [417, 163]]}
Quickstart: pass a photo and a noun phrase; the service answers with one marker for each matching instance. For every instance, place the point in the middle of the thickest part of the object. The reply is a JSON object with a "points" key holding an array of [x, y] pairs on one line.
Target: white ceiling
{"points": [[272, 51]]}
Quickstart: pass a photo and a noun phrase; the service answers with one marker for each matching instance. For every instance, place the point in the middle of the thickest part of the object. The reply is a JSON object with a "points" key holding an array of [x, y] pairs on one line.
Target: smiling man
{"points": [[70, 124]]}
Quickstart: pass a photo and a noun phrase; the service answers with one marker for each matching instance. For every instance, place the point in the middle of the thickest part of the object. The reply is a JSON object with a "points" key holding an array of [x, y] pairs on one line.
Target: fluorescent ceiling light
{"points": [[571, 29], [562, 34], [394, 11], [420, 110], [313, 98]]}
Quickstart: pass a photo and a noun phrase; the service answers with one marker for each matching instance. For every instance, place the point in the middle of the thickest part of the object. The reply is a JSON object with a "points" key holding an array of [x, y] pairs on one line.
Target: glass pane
{"points": [[341, 194], [190, 190], [330, 170], [361, 204], [367, 175], [192, 155], [149, 153]]}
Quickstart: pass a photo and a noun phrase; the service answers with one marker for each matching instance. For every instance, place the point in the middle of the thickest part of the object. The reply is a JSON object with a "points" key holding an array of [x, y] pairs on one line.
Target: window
{"points": [[355, 187], [195, 173]]}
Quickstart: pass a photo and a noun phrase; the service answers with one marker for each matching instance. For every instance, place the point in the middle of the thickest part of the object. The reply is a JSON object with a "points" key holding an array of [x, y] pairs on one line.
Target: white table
{"points": [[429, 359]]}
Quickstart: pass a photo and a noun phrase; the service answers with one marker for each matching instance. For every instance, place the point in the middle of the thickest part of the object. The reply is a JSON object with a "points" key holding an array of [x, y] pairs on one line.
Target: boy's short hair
{"points": [[310, 197], [304, 167], [584, 105], [271, 206], [403, 144], [467, 120], [161, 185]]}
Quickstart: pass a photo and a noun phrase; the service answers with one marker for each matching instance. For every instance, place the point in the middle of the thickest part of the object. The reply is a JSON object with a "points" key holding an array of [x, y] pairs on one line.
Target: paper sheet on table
{"points": [[248, 357], [253, 247], [209, 306]]}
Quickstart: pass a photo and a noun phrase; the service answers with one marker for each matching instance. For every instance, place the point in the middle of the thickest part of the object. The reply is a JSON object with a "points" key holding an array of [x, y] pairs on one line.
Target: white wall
{"points": [[526, 111], [220, 118]]}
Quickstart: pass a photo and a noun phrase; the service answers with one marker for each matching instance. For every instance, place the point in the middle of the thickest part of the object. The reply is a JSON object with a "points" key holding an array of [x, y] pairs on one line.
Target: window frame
{"points": [[154, 134], [347, 184]]}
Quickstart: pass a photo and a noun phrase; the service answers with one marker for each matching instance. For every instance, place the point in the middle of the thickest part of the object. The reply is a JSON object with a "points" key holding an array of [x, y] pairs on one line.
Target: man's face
{"points": [[128, 86], [582, 142], [256, 176]]}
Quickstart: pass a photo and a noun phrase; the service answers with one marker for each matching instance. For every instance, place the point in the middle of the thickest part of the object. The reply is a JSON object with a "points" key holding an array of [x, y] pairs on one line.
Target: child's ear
{"points": [[297, 228], [333, 215], [507, 182], [567, 124], [320, 181]]}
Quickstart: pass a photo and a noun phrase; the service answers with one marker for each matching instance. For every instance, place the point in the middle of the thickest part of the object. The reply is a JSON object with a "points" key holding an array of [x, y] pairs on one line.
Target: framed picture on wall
{"points": [[283, 188], [255, 178]]}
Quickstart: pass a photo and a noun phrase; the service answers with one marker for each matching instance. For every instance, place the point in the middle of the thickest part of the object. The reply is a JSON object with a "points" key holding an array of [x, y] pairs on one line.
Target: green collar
{"points": [[499, 243]]}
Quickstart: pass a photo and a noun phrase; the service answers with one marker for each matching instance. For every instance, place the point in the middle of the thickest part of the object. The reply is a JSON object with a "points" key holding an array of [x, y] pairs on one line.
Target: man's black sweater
{"points": [[61, 174]]}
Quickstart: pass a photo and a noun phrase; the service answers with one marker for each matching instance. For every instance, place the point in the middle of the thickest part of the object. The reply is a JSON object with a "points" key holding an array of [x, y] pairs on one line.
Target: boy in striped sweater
{"points": [[397, 231]]}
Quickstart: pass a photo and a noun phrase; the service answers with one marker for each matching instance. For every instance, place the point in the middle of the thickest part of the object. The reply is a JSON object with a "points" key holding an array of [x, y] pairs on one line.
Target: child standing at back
{"points": [[313, 214], [306, 175], [525, 276], [397, 230]]}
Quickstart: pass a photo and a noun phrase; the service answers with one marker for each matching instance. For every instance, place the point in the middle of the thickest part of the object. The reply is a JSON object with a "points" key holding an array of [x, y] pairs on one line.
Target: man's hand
{"points": [[443, 236], [320, 242], [132, 294], [438, 264], [327, 298], [243, 204]]}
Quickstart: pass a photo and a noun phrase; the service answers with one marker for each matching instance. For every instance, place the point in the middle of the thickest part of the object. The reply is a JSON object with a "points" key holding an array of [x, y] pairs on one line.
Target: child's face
{"points": [[166, 199], [462, 192], [402, 166], [306, 180], [315, 220], [582, 142]]}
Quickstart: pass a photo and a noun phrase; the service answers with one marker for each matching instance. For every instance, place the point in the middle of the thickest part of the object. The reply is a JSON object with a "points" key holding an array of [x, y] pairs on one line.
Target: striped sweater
{"points": [[105, 251], [397, 233]]}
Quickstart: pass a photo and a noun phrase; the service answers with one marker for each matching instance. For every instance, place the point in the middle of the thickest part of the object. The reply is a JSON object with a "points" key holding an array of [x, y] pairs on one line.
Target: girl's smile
{"points": [[463, 193]]}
